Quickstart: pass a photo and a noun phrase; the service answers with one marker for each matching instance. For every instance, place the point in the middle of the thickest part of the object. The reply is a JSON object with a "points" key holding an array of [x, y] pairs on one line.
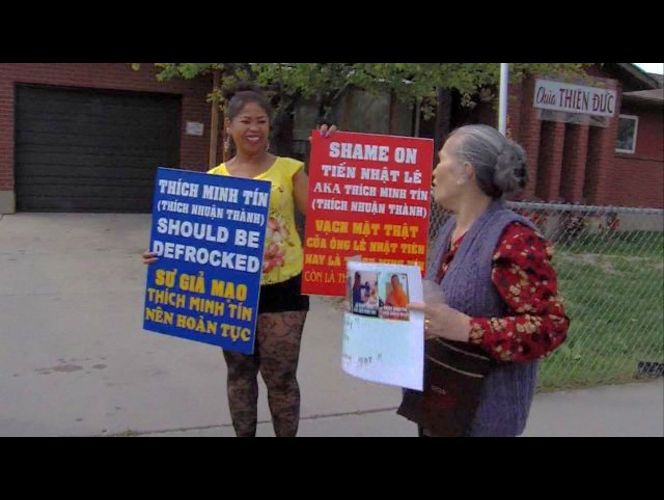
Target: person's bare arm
{"points": [[301, 190]]}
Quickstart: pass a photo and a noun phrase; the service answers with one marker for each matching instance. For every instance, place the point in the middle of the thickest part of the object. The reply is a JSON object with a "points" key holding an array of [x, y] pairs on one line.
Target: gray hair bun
{"points": [[499, 163], [511, 171]]}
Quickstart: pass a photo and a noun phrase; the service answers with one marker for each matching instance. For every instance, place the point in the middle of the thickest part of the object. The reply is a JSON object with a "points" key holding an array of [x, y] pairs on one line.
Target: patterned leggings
{"points": [[276, 354]]}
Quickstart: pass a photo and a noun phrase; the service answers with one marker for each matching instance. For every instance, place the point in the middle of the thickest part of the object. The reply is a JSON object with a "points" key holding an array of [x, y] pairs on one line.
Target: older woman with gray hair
{"points": [[491, 305]]}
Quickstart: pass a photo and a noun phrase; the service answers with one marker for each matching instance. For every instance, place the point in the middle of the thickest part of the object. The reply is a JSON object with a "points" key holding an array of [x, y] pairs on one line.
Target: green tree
{"points": [[410, 82], [326, 82]]}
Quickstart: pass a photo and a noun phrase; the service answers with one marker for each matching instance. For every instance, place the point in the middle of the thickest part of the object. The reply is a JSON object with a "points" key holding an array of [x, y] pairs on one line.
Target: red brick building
{"points": [[88, 136], [612, 156], [616, 160]]}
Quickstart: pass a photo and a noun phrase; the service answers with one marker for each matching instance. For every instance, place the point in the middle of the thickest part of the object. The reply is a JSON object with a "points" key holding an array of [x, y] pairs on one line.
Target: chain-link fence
{"points": [[610, 266]]}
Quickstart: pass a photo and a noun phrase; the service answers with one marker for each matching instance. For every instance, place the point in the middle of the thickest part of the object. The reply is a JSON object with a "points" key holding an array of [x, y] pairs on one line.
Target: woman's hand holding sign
{"points": [[149, 257]]}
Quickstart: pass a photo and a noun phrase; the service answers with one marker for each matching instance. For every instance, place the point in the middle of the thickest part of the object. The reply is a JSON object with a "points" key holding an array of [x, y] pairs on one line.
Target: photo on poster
{"points": [[393, 294], [363, 293]]}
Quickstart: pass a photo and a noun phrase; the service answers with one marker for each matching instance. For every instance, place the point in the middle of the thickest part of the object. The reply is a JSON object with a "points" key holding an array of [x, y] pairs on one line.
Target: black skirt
{"points": [[284, 296]]}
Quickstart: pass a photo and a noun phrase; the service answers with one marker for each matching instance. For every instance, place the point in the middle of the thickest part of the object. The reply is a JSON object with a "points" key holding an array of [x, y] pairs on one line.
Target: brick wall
{"points": [[578, 163], [194, 150], [637, 179]]}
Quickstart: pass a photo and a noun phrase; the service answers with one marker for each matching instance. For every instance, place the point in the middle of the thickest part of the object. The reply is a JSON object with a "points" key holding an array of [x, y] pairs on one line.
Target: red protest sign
{"points": [[369, 198]]}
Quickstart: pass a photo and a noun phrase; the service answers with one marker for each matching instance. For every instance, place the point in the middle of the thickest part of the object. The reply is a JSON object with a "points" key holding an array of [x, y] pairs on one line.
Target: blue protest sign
{"points": [[209, 234]]}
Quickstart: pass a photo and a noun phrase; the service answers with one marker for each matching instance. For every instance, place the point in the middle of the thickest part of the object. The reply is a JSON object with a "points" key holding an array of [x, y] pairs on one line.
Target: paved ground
{"points": [[74, 360]]}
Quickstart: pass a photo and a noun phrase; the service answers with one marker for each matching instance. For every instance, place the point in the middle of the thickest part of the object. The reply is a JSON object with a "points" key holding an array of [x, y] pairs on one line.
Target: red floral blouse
{"points": [[524, 278]]}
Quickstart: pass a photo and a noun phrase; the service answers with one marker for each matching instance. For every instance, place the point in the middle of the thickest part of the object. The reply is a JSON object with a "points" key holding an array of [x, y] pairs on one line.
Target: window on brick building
{"points": [[627, 129]]}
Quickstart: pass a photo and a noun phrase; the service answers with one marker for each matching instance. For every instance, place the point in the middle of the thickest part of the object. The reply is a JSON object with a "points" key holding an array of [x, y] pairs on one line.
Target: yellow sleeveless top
{"points": [[283, 249]]}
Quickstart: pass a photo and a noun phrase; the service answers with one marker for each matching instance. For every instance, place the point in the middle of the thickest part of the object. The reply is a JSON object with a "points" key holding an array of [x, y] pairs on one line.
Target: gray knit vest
{"points": [[508, 389]]}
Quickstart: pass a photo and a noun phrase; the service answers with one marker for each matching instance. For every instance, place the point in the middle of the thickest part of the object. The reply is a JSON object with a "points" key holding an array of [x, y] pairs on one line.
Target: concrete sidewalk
{"points": [[74, 360], [610, 411]]}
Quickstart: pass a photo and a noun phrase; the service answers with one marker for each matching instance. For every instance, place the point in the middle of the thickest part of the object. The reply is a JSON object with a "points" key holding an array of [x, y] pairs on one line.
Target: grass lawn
{"points": [[615, 300]]}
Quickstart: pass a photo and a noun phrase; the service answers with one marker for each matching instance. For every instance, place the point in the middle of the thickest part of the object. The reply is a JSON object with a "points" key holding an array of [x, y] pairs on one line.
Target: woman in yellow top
{"points": [[282, 308]]}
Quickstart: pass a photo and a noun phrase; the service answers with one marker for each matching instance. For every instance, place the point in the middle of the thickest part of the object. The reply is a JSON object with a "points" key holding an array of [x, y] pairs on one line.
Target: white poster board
{"points": [[383, 341]]}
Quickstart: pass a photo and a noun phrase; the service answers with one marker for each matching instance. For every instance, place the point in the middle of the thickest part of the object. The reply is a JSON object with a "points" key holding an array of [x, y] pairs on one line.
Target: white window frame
{"points": [[636, 134]]}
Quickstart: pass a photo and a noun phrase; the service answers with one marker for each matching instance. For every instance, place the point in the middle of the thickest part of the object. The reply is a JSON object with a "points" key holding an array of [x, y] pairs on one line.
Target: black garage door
{"points": [[86, 150]]}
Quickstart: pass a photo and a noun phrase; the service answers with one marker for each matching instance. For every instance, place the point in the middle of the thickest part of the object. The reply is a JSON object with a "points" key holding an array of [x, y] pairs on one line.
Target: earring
{"points": [[267, 146], [227, 143]]}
